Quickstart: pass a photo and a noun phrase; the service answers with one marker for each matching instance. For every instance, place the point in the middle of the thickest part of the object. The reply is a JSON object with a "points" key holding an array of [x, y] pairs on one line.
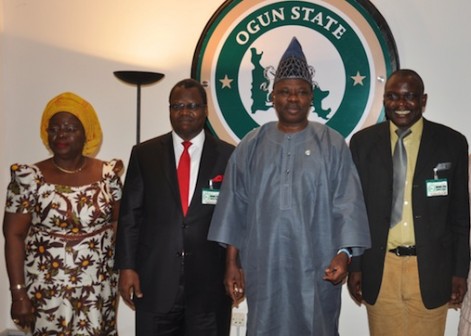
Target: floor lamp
{"points": [[138, 78]]}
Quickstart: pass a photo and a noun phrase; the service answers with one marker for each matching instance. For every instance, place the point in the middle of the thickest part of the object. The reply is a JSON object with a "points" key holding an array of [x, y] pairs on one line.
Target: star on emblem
{"points": [[358, 79], [226, 82]]}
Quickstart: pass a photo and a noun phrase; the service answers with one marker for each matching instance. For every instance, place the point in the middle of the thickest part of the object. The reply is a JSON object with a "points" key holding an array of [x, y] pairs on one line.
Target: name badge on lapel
{"points": [[438, 187], [210, 195]]}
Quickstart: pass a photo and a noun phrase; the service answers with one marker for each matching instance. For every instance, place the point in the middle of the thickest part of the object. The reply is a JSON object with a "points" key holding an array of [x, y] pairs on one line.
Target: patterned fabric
{"points": [[69, 251]]}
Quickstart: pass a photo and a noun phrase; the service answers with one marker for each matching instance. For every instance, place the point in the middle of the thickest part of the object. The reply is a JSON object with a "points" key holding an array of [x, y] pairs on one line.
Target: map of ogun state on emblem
{"points": [[348, 44]]}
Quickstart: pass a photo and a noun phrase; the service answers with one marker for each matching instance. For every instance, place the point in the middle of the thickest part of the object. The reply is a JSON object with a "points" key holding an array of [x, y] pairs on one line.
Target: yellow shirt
{"points": [[402, 234]]}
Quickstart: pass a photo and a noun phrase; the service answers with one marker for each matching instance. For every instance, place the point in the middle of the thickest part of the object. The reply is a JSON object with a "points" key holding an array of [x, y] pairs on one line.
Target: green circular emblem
{"points": [[347, 43]]}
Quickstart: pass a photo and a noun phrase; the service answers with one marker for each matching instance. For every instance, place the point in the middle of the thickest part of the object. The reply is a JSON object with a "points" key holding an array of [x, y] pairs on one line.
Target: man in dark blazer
{"points": [[169, 272], [419, 264]]}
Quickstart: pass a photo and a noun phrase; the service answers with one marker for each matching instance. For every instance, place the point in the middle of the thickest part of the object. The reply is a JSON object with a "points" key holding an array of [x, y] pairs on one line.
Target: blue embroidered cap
{"points": [[293, 64]]}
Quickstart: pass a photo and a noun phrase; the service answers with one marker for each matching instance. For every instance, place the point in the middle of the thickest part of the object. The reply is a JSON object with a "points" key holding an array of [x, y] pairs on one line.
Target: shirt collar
{"points": [[416, 130], [197, 141]]}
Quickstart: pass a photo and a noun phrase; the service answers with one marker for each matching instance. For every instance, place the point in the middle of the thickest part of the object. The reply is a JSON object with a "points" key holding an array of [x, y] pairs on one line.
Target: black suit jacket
{"points": [[441, 223], [152, 231]]}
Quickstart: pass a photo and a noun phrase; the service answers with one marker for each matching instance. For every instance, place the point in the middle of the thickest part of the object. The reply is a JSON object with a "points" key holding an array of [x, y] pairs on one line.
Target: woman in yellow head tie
{"points": [[59, 226]]}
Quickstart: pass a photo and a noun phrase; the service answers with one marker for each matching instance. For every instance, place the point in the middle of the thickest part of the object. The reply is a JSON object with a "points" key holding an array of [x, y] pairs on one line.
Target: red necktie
{"points": [[183, 172]]}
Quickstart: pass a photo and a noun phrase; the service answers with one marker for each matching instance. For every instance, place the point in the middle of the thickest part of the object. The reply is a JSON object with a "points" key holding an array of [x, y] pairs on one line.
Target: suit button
{"points": [[183, 254]]}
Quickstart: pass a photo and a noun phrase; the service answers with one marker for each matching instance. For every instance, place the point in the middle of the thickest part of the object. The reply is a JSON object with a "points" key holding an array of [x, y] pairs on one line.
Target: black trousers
{"points": [[182, 320]]}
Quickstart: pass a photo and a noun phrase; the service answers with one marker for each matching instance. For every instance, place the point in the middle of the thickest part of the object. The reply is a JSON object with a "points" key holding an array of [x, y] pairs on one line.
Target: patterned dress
{"points": [[69, 251]]}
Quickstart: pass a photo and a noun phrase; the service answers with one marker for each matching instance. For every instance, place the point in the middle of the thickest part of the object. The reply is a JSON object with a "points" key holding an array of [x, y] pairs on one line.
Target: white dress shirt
{"points": [[195, 151]]}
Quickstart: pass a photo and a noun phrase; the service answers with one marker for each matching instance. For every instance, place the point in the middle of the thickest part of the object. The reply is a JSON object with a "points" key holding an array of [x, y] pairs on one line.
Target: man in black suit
{"points": [[169, 272], [419, 263]]}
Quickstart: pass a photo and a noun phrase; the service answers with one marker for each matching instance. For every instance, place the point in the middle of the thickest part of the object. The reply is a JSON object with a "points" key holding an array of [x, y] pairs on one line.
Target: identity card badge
{"points": [[438, 187], [210, 195]]}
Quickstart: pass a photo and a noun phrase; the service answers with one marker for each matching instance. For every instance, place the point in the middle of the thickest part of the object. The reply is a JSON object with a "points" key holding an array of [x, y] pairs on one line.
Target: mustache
{"points": [[185, 118], [293, 106]]}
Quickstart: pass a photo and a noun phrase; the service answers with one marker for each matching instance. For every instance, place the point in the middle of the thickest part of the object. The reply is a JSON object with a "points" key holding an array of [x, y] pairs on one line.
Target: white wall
{"points": [[50, 46]]}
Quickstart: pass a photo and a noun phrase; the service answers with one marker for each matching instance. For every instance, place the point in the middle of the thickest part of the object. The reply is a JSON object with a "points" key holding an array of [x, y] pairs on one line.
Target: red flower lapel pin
{"points": [[216, 179]]}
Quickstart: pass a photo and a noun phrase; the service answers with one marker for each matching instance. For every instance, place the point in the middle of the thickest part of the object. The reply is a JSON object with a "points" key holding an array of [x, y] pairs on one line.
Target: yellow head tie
{"points": [[80, 108]]}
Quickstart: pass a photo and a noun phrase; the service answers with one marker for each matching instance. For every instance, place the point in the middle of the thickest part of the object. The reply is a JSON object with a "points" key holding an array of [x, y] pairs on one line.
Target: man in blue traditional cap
{"points": [[291, 213]]}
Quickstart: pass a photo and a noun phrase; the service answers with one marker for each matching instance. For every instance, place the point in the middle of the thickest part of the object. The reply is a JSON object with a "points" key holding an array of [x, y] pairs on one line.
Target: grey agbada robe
{"points": [[288, 203]]}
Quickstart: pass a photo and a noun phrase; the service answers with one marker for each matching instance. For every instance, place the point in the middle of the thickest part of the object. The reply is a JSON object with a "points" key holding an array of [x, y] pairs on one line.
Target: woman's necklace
{"points": [[70, 171]]}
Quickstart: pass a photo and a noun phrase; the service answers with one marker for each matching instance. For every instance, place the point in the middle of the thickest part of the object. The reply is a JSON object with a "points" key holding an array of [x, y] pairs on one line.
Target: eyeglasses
{"points": [[189, 106], [408, 96], [66, 129]]}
